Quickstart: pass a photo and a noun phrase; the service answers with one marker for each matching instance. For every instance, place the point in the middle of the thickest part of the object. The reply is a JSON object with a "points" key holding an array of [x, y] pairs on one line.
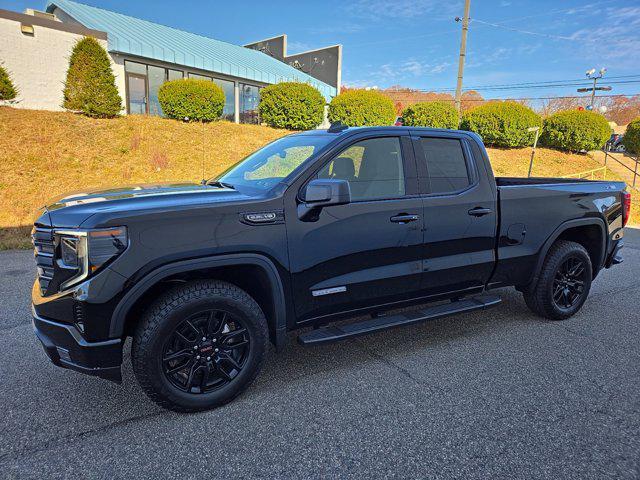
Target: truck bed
{"points": [[531, 209]]}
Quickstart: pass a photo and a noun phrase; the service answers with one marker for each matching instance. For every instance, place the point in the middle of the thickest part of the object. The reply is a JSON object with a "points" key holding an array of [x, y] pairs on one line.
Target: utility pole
{"points": [[463, 53]]}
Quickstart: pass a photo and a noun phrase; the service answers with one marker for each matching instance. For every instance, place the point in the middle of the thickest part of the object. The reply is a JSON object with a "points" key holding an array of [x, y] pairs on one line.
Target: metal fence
{"points": [[635, 170], [590, 174]]}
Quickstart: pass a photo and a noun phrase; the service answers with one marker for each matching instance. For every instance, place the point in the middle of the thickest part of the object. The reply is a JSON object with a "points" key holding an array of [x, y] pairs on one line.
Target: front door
{"points": [[365, 253], [459, 215], [137, 93]]}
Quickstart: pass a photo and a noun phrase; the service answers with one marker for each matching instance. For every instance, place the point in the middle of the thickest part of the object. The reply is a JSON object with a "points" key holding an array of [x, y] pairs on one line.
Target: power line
{"points": [[528, 32], [617, 80], [616, 77], [553, 12], [538, 98], [535, 87], [402, 38]]}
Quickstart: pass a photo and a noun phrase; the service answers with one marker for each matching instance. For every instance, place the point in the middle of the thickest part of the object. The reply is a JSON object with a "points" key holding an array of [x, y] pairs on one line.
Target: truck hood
{"points": [[73, 209]]}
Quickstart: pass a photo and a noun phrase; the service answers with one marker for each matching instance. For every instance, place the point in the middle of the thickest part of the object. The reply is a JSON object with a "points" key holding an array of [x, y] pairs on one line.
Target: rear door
{"points": [[460, 216], [367, 252]]}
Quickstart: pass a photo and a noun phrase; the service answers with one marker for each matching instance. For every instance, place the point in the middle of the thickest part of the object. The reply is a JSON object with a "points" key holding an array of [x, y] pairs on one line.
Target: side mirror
{"points": [[321, 193]]}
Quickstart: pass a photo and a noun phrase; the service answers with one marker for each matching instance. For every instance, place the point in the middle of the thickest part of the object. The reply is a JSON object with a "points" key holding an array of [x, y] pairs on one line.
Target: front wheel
{"points": [[564, 283], [199, 346]]}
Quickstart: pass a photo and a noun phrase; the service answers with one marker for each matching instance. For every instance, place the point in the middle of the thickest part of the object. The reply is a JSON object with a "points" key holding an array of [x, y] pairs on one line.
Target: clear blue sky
{"points": [[415, 43]]}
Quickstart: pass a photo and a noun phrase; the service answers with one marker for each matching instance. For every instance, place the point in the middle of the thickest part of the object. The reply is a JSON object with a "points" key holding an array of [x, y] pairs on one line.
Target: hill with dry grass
{"points": [[46, 154]]}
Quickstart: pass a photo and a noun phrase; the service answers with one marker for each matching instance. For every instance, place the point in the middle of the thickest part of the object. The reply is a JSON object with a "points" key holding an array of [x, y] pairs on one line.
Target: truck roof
{"points": [[344, 131]]}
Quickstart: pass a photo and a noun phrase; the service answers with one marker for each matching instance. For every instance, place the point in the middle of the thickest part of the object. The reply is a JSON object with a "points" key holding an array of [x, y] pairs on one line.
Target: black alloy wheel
{"points": [[569, 282], [199, 345], [206, 352], [564, 282]]}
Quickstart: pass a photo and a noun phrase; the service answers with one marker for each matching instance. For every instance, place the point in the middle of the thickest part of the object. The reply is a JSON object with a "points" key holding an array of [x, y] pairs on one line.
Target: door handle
{"points": [[479, 211], [404, 218]]}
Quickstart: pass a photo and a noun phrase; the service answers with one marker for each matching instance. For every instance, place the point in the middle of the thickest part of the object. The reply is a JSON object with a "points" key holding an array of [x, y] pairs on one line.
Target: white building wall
{"points": [[117, 65], [38, 63]]}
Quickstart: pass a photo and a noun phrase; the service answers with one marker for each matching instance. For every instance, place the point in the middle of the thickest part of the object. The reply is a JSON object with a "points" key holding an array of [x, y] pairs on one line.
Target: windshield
{"points": [[266, 167]]}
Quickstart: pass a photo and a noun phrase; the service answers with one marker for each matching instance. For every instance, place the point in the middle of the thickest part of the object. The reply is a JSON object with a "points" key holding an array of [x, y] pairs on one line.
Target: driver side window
{"points": [[373, 168]]}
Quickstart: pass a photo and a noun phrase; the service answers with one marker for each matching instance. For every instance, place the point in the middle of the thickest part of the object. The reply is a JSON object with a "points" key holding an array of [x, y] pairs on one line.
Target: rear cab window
{"points": [[447, 166]]}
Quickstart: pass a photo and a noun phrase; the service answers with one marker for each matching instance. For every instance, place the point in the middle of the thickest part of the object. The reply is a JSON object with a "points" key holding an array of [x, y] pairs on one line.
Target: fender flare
{"points": [[581, 222], [116, 329]]}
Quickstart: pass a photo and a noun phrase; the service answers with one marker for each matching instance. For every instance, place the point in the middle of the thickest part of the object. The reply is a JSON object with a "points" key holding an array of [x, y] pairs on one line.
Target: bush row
{"points": [[90, 88]]}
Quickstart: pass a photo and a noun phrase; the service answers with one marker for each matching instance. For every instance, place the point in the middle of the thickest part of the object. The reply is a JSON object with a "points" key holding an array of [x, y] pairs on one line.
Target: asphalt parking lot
{"points": [[495, 394]]}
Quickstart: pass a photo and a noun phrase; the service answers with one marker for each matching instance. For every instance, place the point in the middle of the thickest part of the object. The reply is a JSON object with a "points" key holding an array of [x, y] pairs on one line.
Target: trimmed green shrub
{"points": [[90, 87], [437, 114], [7, 90], [191, 100], [502, 124], [575, 131], [631, 139], [359, 108], [292, 105]]}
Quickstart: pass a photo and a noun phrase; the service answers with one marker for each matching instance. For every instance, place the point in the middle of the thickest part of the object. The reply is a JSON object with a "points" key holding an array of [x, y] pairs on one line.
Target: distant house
{"points": [[35, 49]]}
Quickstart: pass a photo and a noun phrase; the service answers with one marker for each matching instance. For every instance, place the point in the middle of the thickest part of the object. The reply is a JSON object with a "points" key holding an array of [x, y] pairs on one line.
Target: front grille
{"points": [[44, 249]]}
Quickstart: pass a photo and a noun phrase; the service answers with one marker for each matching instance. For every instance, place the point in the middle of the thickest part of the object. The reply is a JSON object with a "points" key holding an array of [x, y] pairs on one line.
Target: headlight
{"points": [[82, 253], [105, 245], [69, 251]]}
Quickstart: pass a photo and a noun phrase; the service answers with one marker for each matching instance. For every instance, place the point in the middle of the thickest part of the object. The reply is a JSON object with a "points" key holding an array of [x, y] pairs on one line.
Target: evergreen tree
{"points": [[90, 86]]}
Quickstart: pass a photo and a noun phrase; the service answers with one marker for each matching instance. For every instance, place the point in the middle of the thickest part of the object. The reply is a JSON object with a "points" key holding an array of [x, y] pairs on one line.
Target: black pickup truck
{"points": [[314, 228]]}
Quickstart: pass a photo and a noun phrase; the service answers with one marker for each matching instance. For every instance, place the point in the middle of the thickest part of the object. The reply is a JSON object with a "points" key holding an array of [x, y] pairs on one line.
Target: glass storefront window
{"points": [[249, 99], [134, 67], [156, 77], [195, 76], [175, 75], [229, 98], [144, 82]]}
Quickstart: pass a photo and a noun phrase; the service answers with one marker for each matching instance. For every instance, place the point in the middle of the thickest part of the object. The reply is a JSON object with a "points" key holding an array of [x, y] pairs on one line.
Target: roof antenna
{"points": [[337, 127]]}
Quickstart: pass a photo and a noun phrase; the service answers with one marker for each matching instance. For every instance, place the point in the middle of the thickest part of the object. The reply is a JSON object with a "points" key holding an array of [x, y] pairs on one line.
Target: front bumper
{"points": [[67, 348]]}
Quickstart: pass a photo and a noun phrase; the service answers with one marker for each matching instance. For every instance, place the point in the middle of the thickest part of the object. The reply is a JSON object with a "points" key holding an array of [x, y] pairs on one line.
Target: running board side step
{"points": [[334, 333]]}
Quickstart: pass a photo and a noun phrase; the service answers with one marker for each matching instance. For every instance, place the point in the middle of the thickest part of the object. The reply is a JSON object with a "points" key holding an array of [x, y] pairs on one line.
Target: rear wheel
{"points": [[564, 283], [199, 346]]}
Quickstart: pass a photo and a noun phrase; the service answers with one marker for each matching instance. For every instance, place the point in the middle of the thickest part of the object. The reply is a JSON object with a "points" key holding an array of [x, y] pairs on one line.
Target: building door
{"points": [[137, 93], [249, 99]]}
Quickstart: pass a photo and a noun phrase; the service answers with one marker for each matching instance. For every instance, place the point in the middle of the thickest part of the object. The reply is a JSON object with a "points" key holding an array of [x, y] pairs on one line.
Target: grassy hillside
{"points": [[46, 154]]}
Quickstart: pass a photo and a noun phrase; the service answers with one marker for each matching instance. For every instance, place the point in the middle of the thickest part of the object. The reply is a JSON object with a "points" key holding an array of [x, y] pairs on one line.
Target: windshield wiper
{"points": [[219, 184]]}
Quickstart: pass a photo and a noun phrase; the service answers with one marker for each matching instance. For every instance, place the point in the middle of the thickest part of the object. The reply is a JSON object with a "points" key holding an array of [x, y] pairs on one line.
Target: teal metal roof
{"points": [[133, 36]]}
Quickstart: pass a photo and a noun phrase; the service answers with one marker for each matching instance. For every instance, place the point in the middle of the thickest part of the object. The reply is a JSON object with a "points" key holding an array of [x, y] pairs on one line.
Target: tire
{"points": [[540, 298], [177, 323]]}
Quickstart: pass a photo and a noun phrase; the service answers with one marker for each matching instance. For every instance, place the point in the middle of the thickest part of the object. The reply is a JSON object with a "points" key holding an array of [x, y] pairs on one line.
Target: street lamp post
{"points": [[591, 74]]}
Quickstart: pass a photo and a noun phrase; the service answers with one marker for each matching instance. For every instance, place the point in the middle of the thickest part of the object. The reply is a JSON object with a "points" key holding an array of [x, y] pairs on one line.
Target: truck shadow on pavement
{"points": [[296, 363]]}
